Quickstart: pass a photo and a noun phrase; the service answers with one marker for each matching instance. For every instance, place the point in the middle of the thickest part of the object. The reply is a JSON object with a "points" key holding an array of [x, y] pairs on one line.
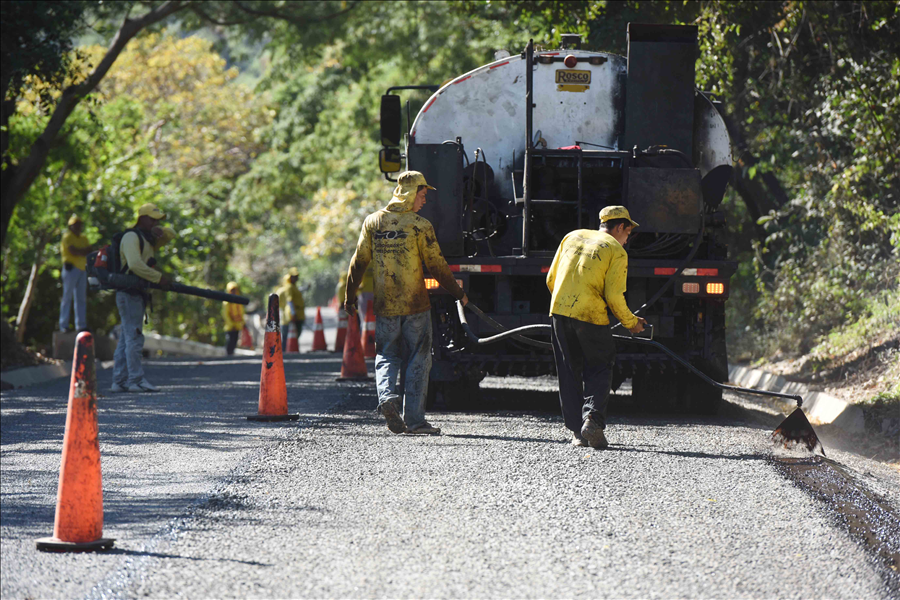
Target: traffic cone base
{"points": [[52, 544], [273, 417], [272, 385], [78, 524]]}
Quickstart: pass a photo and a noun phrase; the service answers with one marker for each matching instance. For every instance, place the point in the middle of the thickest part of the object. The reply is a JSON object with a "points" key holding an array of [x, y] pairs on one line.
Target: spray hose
{"points": [[517, 334]]}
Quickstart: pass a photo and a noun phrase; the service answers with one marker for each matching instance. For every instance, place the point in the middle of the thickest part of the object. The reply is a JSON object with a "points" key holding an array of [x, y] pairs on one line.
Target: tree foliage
{"points": [[259, 180]]}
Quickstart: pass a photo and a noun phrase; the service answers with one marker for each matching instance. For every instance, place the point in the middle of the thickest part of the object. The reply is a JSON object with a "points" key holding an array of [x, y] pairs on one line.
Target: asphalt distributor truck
{"points": [[529, 147]]}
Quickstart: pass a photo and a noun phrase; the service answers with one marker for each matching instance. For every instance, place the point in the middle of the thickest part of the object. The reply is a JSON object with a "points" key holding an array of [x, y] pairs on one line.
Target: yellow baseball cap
{"points": [[615, 212], [412, 179], [75, 219], [152, 211], [294, 272]]}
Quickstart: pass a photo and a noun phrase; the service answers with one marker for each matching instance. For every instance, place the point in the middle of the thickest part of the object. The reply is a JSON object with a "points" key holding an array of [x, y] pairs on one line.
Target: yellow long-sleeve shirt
{"points": [[290, 298], [397, 241], [136, 259], [79, 242], [233, 315], [587, 277]]}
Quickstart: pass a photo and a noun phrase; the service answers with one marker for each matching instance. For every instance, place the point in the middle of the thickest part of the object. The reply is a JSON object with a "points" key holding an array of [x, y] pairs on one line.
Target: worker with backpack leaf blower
{"points": [[132, 252]]}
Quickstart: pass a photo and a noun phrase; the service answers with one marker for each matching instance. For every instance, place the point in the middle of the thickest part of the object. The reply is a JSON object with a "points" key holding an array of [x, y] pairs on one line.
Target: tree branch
{"points": [[289, 18], [17, 179]]}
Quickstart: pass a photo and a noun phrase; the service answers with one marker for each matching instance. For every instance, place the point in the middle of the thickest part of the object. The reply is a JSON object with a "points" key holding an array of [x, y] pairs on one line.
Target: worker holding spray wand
{"points": [[587, 278]]}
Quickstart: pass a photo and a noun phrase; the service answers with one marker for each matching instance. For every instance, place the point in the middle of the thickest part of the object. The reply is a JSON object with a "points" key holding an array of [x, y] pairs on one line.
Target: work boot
{"points": [[392, 416], [424, 428], [593, 433], [578, 439], [143, 386]]}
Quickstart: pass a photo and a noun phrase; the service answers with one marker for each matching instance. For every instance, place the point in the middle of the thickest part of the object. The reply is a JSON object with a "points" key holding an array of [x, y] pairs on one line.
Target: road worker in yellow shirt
{"points": [[74, 249], [397, 241], [586, 280]]}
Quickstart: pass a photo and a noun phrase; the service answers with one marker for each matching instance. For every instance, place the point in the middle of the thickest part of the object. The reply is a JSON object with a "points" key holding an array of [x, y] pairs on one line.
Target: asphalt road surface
{"points": [[205, 504]]}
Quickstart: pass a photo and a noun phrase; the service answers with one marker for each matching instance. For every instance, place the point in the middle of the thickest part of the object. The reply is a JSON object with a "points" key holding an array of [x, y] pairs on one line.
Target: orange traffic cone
{"points": [[246, 338], [272, 386], [353, 367], [319, 333], [78, 526], [341, 331], [370, 332], [293, 339]]}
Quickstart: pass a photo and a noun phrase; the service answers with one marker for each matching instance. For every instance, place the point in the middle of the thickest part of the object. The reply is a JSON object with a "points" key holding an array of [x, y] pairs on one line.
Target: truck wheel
{"points": [[452, 395], [652, 392]]}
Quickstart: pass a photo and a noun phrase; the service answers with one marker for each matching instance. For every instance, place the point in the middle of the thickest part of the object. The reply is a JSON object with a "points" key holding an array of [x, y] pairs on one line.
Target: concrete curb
{"points": [[820, 407], [27, 376], [153, 342]]}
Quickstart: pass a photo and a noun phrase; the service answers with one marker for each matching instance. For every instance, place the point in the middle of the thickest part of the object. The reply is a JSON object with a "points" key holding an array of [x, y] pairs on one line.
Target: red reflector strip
{"points": [[476, 268], [429, 105], [463, 79], [715, 288], [690, 288], [550, 54], [500, 65], [687, 272]]}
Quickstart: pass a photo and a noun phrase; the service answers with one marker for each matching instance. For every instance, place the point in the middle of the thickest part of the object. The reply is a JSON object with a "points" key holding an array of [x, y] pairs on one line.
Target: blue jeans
{"points": [[128, 369], [398, 340], [74, 282]]}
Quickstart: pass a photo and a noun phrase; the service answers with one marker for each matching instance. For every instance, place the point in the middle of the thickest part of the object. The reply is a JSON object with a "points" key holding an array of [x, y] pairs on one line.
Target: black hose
{"points": [[515, 333]]}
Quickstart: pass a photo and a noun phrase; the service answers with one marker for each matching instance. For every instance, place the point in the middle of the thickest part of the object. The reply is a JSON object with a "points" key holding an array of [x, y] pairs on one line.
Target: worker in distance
{"points": [[586, 280], [397, 241]]}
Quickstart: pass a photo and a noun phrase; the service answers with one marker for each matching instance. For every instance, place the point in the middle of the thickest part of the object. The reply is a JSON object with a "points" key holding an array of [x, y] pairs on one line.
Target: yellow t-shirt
{"points": [[69, 239], [588, 276]]}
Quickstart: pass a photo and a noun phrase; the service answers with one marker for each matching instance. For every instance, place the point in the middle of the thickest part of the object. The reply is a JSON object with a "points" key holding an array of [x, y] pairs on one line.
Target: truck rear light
{"points": [[664, 271], [715, 288], [570, 61], [432, 284], [690, 288]]}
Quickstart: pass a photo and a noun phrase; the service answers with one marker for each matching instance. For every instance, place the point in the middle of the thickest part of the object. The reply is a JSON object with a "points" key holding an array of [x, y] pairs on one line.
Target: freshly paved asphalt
{"points": [[203, 503]]}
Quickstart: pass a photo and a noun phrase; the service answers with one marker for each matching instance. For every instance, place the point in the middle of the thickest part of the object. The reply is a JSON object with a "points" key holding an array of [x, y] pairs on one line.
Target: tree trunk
{"points": [[25, 307]]}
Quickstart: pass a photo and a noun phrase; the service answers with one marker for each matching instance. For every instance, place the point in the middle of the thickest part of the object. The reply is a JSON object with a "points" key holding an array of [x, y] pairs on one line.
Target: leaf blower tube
{"points": [[121, 281], [795, 428]]}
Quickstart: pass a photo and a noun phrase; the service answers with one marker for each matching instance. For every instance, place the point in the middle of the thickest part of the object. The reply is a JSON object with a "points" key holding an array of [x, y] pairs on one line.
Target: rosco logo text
{"points": [[390, 235], [582, 77]]}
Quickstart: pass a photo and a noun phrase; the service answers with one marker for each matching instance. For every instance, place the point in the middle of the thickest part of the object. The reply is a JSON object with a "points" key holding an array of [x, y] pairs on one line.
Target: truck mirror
{"points": [[390, 121], [389, 160]]}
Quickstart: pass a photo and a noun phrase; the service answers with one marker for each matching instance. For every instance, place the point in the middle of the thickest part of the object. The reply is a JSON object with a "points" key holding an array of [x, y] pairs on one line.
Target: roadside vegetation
{"points": [[255, 126]]}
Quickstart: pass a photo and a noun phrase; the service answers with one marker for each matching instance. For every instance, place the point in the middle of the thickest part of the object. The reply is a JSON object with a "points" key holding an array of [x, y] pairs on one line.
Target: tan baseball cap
{"points": [[412, 179], [152, 211], [615, 212]]}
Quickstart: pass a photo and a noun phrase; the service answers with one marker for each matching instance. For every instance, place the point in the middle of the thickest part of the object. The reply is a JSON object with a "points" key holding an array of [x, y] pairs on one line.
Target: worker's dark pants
{"points": [[231, 343], [585, 354]]}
